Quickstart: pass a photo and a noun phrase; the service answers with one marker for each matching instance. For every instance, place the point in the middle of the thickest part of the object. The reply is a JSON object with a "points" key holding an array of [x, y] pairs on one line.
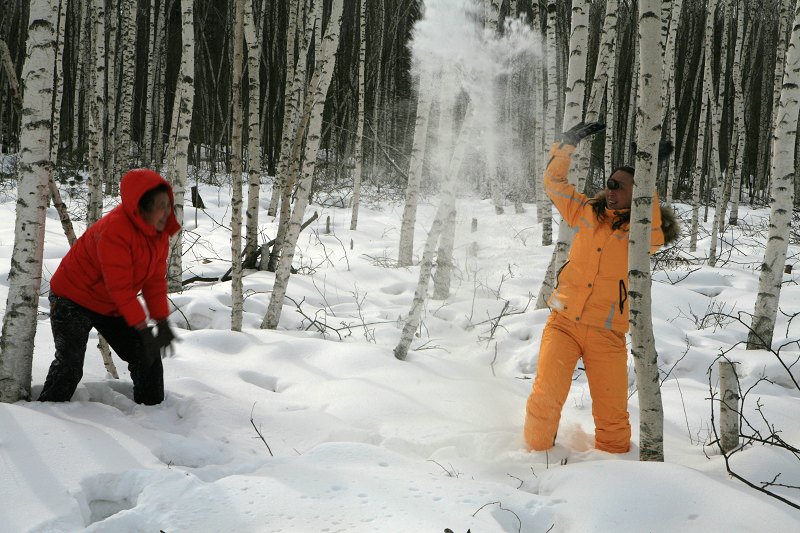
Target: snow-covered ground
{"points": [[357, 441]]}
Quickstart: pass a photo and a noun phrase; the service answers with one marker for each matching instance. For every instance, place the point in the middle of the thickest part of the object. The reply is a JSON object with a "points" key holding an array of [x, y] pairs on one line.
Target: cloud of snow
{"points": [[476, 68]]}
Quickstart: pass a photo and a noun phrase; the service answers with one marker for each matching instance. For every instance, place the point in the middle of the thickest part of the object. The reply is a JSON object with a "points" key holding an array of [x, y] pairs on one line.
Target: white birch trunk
{"points": [[446, 206], [127, 76], [152, 80], [82, 43], [406, 252], [705, 116], [650, 115], [358, 152], [320, 82], [97, 111], [34, 169], [573, 114], [737, 144], [7, 65], [58, 81], [443, 274], [291, 98], [111, 182], [781, 197], [780, 60], [159, 89], [300, 119], [671, 91], [237, 293], [493, 142], [253, 133], [178, 160], [605, 60], [550, 114]]}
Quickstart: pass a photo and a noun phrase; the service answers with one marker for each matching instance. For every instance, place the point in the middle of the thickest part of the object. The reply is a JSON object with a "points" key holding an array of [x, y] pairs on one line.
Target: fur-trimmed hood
{"points": [[669, 222]]}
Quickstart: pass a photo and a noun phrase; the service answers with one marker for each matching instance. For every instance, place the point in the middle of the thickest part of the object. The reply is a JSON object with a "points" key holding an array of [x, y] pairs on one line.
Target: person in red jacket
{"points": [[589, 308], [97, 286]]}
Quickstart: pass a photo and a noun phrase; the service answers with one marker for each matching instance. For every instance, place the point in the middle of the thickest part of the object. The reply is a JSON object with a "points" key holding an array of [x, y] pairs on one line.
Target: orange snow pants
{"points": [[605, 358]]}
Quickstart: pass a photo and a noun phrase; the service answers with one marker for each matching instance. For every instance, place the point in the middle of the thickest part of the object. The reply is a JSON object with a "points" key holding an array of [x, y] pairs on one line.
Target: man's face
{"points": [[619, 190]]}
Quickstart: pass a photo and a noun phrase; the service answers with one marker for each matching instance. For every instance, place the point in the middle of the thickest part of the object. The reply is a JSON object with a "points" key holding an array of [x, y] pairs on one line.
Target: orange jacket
{"points": [[592, 286], [119, 256]]}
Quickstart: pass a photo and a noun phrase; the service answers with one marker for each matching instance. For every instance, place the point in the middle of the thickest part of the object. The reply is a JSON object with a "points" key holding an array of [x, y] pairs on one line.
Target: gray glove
{"points": [[580, 131]]}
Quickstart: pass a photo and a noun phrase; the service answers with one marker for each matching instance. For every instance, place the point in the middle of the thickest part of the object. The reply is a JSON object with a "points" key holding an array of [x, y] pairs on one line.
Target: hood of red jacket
{"points": [[134, 184]]}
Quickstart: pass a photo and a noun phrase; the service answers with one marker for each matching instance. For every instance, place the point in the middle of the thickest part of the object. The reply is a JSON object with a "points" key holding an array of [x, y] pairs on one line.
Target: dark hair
{"points": [[148, 199], [624, 168], [599, 203]]}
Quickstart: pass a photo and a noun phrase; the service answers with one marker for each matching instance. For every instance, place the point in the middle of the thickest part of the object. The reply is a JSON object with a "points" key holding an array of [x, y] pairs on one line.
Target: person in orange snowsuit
{"points": [[589, 307]]}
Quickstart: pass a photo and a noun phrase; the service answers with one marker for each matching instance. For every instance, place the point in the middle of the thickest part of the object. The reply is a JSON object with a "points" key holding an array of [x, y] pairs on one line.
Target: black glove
{"points": [[580, 131], [150, 348], [165, 337]]}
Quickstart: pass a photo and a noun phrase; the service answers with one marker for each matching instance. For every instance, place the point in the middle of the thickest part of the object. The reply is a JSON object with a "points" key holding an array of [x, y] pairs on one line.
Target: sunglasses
{"points": [[613, 184]]}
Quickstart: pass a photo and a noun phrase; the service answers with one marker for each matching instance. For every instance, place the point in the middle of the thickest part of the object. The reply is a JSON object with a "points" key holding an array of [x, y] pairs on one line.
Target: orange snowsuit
{"points": [[589, 318]]}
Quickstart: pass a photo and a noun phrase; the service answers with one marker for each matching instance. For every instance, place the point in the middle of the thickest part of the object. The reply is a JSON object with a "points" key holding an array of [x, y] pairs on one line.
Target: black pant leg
{"points": [[148, 381], [70, 325]]}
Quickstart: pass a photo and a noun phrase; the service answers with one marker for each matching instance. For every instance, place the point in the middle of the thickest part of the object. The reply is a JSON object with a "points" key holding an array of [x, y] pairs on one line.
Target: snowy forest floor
{"points": [[355, 440]]}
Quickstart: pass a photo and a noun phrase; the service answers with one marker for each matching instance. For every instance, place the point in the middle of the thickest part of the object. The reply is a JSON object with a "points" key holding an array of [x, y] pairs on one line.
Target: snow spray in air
{"points": [[465, 61]]}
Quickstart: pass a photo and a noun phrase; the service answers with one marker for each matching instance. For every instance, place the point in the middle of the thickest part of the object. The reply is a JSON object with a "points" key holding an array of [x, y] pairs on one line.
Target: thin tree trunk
{"points": [[781, 198], [573, 114], [446, 206], [34, 169], [152, 80], [549, 113], [237, 296], [97, 112], [671, 91], [358, 152], [58, 81], [408, 223], [323, 73], [740, 133], [127, 75], [111, 181], [178, 160], [253, 131], [650, 116], [705, 118]]}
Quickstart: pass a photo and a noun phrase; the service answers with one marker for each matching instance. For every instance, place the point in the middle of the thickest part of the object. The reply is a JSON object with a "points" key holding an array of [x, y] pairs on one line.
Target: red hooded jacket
{"points": [[119, 256]]}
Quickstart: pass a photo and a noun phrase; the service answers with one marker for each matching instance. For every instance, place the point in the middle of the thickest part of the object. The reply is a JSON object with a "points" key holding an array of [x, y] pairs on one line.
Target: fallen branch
{"points": [[227, 275]]}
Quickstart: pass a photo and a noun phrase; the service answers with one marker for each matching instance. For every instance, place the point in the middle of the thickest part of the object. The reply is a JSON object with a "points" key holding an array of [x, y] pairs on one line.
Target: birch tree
{"points": [[127, 62], [740, 133], [649, 112], [550, 115], [573, 114], [293, 98], [446, 207], [253, 133], [237, 296], [706, 119], [178, 158], [34, 169], [405, 254], [97, 110], [320, 81], [358, 151], [781, 197], [58, 79], [671, 91]]}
